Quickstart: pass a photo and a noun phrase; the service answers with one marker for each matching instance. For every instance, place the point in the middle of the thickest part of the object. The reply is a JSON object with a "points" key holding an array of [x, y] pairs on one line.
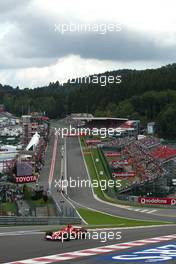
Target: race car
{"points": [[67, 233]]}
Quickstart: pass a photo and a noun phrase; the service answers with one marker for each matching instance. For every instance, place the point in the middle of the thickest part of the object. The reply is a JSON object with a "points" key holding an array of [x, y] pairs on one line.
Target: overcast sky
{"points": [[33, 53]]}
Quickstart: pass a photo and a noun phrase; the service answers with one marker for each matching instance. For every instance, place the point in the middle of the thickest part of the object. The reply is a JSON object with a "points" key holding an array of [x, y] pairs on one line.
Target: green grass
{"points": [[83, 143], [99, 165], [91, 168], [39, 202], [101, 219], [90, 158], [8, 207], [93, 175]]}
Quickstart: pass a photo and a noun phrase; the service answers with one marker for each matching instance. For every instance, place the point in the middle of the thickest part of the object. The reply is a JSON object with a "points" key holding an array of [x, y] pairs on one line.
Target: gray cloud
{"points": [[34, 43], [8, 6]]}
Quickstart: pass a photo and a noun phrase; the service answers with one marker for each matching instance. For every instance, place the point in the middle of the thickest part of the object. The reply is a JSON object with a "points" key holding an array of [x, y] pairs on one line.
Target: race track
{"points": [[15, 247], [22, 245], [83, 197]]}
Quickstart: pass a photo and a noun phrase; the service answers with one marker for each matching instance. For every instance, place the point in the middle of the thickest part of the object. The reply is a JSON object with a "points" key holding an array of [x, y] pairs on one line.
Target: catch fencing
{"points": [[15, 220]]}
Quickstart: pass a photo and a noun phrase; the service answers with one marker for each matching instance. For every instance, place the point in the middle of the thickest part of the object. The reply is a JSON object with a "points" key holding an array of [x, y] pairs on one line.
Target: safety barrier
{"points": [[15, 220]]}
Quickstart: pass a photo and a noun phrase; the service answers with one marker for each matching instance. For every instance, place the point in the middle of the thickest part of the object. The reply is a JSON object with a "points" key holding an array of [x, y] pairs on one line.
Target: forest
{"points": [[148, 95]]}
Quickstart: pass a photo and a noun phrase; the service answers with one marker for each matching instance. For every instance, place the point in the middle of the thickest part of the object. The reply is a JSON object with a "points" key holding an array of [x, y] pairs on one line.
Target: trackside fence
{"points": [[15, 220]]}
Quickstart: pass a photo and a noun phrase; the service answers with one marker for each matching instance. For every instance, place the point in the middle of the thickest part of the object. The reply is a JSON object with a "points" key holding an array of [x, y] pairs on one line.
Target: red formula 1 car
{"points": [[67, 233]]}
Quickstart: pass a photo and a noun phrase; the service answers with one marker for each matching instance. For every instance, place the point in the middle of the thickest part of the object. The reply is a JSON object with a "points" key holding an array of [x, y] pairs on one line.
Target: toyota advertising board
{"points": [[156, 200], [24, 169], [26, 179]]}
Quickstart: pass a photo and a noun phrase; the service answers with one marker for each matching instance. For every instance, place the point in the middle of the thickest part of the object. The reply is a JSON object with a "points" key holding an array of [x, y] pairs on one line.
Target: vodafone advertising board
{"points": [[154, 200]]}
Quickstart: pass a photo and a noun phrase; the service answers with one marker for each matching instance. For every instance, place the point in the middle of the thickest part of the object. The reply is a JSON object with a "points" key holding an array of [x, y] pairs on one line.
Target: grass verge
{"points": [[8, 207], [101, 219]]}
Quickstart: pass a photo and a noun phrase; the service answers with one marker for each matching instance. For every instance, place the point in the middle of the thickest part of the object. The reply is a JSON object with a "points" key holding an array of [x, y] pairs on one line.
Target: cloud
{"points": [[35, 44], [29, 43], [7, 6], [66, 68]]}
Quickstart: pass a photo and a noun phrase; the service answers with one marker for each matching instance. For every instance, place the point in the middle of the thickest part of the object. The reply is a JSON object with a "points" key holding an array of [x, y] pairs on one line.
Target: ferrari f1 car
{"points": [[67, 233]]}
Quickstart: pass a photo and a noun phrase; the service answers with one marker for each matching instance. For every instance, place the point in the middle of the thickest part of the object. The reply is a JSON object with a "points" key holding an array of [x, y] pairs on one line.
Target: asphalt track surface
{"points": [[83, 197], [17, 247], [51, 173]]}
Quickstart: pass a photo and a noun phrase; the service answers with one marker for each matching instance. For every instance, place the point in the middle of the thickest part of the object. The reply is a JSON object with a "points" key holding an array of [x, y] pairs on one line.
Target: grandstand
{"points": [[125, 127], [99, 122], [149, 142], [163, 153], [140, 161]]}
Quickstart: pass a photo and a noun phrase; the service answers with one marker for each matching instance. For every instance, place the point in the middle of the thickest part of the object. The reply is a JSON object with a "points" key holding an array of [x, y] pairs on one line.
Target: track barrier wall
{"points": [[10, 220]]}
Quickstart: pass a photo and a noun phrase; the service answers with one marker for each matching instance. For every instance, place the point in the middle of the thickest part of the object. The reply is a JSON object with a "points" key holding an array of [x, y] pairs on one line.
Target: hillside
{"points": [[149, 95]]}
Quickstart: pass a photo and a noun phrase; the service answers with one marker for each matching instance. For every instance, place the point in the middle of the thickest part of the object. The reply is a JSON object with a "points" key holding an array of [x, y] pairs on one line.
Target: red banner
{"points": [[93, 141], [154, 200], [123, 174], [118, 162], [25, 179], [112, 154]]}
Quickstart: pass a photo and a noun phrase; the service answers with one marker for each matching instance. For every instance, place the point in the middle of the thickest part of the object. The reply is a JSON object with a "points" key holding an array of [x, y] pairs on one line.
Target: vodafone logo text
{"points": [[153, 200]]}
